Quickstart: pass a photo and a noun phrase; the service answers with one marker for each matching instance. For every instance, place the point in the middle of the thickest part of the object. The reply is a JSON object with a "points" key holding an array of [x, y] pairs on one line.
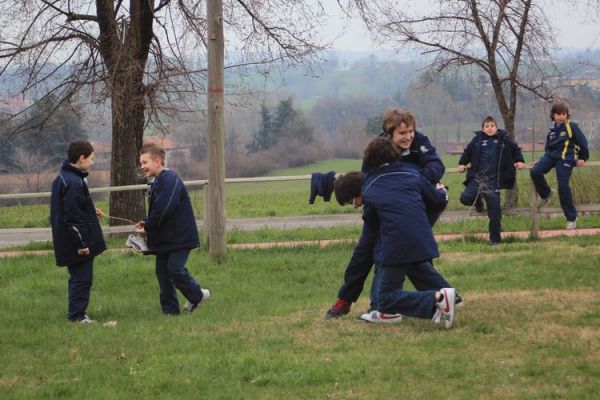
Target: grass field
{"points": [[530, 329]]}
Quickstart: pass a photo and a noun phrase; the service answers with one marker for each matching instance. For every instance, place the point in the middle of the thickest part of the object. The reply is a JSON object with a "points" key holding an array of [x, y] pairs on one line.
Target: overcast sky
{"points": [[574, 30]]}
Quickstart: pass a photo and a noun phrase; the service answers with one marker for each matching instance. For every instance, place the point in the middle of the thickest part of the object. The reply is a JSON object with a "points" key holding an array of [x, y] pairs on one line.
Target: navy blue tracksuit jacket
{"points": [[170, 224], [73, 218]]}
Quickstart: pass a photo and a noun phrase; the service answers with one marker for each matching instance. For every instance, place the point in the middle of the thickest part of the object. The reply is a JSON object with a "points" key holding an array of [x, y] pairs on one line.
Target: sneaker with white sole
{"points": [[137, 243], [447, 307], [381, 318], [85, 320], [458, 303], [192, 306], [571, 225], [544, 202]]}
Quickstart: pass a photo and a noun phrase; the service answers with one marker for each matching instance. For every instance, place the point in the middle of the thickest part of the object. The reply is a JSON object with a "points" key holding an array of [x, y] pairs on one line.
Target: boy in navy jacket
{"points": [[171, 232], [398, 125], [566, 147], [395, 202], [494, 159], [76, 233]]}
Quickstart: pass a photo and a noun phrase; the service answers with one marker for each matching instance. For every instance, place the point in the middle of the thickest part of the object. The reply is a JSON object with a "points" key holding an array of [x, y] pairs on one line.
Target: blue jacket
{"points": [[395, 202], [508, 154], [73, 218], [170, 224], [561, 145], [422, 153]]}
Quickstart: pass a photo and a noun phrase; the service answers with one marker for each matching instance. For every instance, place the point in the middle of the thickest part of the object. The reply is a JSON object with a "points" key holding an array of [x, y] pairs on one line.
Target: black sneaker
{"points": [[341, 307]]}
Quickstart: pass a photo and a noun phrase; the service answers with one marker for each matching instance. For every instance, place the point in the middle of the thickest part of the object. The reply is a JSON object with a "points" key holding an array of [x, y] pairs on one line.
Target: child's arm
{"points": [[465, 157], [167, 193], [432, 166], [583, 153], [434, 197], [516, 154]]}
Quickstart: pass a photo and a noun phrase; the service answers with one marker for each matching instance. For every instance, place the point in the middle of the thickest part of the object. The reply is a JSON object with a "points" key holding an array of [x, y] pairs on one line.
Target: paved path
{"points": [[20, 236]]}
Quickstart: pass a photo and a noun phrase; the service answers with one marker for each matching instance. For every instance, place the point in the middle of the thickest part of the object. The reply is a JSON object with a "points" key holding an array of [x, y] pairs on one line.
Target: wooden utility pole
{"points": [[216, 160]]}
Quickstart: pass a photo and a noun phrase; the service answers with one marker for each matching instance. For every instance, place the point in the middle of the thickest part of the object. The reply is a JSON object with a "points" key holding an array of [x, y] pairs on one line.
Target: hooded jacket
{"points": [[508, 153], [395, 203], [73, 218]]}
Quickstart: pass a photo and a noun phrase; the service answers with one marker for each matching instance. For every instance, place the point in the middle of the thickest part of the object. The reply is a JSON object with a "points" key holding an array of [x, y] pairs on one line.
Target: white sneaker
{"points": [[544, 202], [191, 306], [86, 320], [458, 303], [381, 318], [571, 225], [447, 307], [137, 243]]}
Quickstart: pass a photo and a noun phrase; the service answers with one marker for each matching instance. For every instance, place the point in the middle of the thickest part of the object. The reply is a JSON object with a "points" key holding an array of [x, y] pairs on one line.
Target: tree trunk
{"points": [[127, 137], [512, 195]]}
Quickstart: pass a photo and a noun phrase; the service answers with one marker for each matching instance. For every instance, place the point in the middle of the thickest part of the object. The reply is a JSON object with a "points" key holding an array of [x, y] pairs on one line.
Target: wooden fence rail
{"points": [[533, 202]]}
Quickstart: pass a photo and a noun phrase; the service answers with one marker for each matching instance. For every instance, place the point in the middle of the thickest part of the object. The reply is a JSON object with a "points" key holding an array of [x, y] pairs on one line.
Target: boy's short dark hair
{"points": [[394, 117], [379, 151], [559, 108], [154, 150], [489, 118], [346, 187], [78, 148]]}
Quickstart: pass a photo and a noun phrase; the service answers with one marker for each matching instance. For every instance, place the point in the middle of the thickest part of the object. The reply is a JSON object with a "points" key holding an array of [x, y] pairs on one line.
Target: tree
{"points": [[146, 57], [263, 138], [509, 40]]}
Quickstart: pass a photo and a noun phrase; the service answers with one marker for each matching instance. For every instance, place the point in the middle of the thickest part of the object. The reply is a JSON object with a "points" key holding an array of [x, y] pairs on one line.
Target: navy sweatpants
{"points": [[488, 190], [172, 274], [564, 169], [80, 284]]}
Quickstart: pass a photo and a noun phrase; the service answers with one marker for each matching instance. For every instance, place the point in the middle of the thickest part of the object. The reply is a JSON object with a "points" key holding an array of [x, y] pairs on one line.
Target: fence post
{"points": [[205, 219], [535, 216]]}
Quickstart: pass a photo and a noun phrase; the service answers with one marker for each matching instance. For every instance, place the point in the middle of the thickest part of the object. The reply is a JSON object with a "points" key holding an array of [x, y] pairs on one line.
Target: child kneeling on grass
{"points": [[171, 232], [394, 198]]}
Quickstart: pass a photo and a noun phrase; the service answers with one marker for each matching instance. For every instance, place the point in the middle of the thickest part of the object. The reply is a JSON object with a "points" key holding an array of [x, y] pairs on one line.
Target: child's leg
{"points": [[80, 285], [168, 296], [494, 210], [427, 278], [540, 168], [181, 277], [471, 192], [564, 169], [392, 299]]}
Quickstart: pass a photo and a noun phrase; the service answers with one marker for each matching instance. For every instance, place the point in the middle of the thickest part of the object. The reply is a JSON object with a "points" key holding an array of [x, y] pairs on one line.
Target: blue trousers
{"points": [[564, 169], [172, 274], [81, 277], [393, 299], [488, 190], [421, 278]]}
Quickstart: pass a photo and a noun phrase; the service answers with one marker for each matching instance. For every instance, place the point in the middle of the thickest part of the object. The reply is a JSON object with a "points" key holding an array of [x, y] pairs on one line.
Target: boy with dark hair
{"points": [[399, 126], [395, 202], [76, 233], [494, 159], [171, 232], [566, 147]]}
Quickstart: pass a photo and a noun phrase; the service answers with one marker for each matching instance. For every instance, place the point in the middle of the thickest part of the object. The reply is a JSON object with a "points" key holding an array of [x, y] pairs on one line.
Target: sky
{"points": [[574, 29]]}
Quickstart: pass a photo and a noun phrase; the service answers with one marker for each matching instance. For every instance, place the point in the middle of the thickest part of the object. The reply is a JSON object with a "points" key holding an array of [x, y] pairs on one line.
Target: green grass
{"points": [[278, 199], [529, 330]]}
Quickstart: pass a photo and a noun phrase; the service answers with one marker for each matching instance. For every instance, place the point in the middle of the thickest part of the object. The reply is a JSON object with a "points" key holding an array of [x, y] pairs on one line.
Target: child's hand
{"points": [[83, 252], [462, 168], [519, 165], [99, 213], [580, 163]]}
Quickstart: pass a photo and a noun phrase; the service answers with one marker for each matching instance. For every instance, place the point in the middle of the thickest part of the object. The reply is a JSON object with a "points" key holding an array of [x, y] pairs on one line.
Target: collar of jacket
{"points": [[67, 166]]}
